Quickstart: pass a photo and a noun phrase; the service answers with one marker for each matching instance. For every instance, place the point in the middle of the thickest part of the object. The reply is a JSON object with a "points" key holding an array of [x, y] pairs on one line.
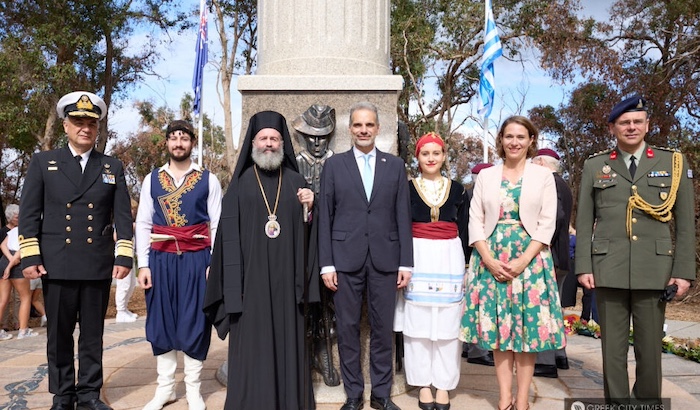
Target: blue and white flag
{"points": [[492, 50], [201, 59]]}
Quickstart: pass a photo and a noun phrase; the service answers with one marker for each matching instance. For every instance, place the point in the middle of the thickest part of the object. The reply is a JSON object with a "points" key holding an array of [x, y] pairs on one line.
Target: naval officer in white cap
{"points": [[72, 200]]}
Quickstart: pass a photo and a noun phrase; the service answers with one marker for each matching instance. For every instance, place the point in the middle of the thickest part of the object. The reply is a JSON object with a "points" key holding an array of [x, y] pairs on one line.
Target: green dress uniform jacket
{"points": [[68, 217], [631, 269], [649, 258]]}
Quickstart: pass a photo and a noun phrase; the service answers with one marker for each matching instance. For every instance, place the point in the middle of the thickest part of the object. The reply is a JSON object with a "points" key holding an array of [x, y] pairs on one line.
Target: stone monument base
{"points": [[336, 394], [291, 95]]}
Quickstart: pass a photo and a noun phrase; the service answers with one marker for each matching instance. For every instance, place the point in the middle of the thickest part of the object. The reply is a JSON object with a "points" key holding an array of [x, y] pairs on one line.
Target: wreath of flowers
{"points": [[683, 347]]}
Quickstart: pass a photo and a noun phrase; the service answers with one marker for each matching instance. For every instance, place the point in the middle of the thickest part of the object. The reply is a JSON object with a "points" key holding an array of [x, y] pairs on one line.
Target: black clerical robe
{"points": [[266, 340]]}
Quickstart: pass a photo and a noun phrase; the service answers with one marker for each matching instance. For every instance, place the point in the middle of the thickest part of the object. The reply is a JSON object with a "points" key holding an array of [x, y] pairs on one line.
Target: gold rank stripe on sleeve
{"points": [[659, 212], [125, 248], [28, 247]]}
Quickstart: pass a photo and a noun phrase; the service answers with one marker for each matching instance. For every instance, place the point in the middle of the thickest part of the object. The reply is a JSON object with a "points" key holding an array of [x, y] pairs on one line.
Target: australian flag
{"points": [[492, 50], [201, 59]]}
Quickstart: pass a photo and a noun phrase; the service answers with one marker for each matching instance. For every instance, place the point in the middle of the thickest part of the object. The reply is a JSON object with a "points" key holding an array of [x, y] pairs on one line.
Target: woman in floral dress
{"points": [[512, 302]]}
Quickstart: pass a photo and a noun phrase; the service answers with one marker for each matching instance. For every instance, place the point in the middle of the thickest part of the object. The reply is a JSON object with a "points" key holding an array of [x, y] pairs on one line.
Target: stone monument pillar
{"points": [[332, 52], [328, 52]]}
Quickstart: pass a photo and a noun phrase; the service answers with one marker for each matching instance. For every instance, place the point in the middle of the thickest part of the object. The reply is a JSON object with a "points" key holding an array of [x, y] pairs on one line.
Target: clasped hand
{"points": [[506, 271]]}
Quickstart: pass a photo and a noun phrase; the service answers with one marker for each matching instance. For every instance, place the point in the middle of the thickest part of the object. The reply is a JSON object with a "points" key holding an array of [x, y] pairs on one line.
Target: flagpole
{"points": [[486, 136], [492, 50], [197, 80], [200, 132]]}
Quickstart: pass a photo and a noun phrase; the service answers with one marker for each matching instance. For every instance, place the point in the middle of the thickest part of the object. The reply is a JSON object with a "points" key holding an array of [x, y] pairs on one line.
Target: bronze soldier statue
{"points": [[315, 128]]}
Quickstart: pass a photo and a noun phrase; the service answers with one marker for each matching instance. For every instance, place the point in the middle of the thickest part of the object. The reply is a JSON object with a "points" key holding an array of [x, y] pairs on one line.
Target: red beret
{"points": [[548, 153], [478, 167]]}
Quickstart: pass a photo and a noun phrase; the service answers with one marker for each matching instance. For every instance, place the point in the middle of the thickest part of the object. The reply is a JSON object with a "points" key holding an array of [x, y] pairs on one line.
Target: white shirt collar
{"points": [[193, 166], [360, 154], [85, 155]]}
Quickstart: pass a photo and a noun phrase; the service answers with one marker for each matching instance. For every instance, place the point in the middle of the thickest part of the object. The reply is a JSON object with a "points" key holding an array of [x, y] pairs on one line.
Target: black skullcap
{"points": [[180, 125]]}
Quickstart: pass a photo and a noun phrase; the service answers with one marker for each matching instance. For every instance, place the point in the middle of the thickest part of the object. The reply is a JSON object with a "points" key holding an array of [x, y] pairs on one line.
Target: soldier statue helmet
{"points": [[315, 125]]}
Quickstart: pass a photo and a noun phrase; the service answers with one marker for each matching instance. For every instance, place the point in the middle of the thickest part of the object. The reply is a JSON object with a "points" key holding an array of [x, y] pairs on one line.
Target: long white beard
{"points": [[268, 161]]}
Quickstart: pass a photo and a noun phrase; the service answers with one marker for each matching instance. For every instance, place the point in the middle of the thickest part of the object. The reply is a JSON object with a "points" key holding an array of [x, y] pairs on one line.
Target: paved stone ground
{"points": [[129, 374]]}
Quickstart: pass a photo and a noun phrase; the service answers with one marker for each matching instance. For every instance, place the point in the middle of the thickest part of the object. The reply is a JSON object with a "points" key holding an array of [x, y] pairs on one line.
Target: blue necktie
{"points": [[367, 177]]}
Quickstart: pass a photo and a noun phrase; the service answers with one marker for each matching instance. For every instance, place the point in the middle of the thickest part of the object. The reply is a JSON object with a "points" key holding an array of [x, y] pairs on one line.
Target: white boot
{"points": [[165, 392], [193, 369]]}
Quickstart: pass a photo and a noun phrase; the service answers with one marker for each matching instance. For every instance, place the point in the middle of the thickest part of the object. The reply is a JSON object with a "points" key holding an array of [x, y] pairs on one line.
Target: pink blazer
{"points": [[538, 203]]}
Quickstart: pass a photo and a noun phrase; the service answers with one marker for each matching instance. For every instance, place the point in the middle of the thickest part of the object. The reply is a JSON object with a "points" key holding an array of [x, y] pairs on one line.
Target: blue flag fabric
{"points": [[492, 50], [202, 56]]}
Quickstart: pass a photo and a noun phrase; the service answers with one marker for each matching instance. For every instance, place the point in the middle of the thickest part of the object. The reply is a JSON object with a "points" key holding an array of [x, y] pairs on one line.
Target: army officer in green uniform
{"points": [[625, 250], [72, 200]]}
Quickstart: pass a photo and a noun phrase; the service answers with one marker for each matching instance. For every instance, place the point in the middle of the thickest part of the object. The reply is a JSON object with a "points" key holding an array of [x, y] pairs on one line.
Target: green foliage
{"points": [[437, 46], [50, 48]]}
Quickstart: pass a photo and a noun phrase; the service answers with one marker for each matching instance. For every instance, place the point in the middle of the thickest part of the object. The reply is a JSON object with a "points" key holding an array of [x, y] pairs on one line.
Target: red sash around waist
{"points": [[435, 230], [184, 239]]}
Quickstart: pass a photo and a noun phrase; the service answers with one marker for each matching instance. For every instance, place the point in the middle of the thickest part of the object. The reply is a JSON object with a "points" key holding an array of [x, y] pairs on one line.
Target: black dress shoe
{"points": [[482, 360], [63, 406], [353, 404], [382, 403], [546, 370], [442, 406], [93, 404], [562, 363], [426, 406]]}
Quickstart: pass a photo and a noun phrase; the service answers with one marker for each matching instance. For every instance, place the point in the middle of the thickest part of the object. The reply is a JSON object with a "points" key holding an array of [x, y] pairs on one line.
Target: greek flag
{"points": [[201, 59], [492, 50]]}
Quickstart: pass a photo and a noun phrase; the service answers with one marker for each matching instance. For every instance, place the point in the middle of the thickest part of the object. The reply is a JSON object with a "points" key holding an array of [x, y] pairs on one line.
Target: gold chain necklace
{"points": [[436, 194], [272, 227]]}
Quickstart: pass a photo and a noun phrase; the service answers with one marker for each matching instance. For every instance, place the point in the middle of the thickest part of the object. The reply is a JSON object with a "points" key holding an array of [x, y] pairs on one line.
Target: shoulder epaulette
{"points": [[606, 151], [665, 148]]}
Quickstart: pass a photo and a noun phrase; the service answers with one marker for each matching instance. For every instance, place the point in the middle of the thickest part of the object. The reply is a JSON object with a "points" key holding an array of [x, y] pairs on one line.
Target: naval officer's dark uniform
{"points": [[66, 225], [629, 248]]}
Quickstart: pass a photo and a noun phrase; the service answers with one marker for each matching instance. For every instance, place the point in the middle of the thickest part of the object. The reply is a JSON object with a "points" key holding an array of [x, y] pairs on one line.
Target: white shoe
{"points": [[24, 333], [4, 335], [132, 314], [165, 392], [123, 317], [43, 321], [193, 369]]}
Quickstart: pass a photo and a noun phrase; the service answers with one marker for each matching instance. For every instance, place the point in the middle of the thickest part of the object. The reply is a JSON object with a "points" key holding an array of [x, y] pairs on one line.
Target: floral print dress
{"points": [[522, 315]]}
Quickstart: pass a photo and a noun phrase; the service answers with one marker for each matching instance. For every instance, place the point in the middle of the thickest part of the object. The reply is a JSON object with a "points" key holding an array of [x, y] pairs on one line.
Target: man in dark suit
{"points": [[365, 242], [625, 249], [72, 200], [549, 361]]}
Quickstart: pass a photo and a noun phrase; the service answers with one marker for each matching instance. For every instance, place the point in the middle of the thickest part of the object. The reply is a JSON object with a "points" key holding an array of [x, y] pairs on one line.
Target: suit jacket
{"points": [[351, 227], [537, 206], [560, 240], [649, 258], [67, 217]]}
